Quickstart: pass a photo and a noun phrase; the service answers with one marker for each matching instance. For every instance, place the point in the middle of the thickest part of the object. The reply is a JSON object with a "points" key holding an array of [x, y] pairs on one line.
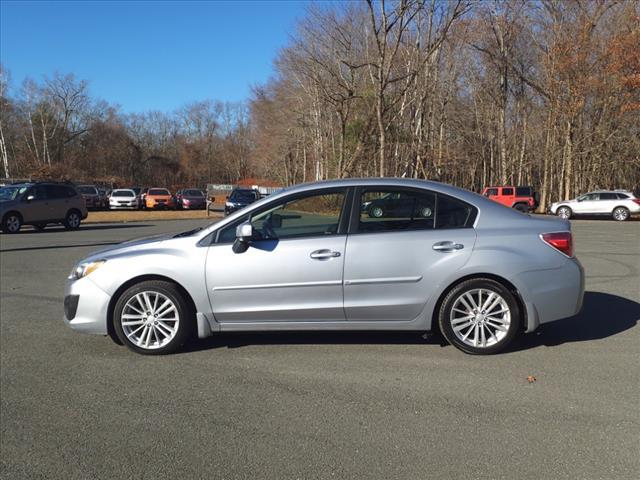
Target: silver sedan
{"points": [[368, 254]]}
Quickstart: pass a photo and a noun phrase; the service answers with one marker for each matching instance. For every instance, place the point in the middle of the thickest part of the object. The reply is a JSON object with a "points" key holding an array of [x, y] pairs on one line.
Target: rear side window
{"points": [[608, 196], [389, 210], [70, 192], [523, 191], [623, 196], [507, 191], [56, 191]]}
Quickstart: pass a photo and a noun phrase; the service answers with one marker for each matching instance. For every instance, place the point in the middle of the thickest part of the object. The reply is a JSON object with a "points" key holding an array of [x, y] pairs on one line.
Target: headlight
{"points": [[229, 204], [85, 268]]}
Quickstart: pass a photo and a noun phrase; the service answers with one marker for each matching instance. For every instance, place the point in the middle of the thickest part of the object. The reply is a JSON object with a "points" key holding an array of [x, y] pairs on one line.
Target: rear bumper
{"points": [[551, 294], [85, 307]]}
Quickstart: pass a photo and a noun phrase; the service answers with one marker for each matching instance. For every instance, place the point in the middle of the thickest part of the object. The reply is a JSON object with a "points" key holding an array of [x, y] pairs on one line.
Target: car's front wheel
{"points": [[11, 223], [621, 214], [153, 318], [480, 316]]}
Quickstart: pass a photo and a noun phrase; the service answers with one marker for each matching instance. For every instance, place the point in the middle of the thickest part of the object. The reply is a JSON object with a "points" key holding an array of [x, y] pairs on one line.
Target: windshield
{"points": [[159, 191], [11, 193], [242, 196], [193, 193], [123, 193], [88, 190]]}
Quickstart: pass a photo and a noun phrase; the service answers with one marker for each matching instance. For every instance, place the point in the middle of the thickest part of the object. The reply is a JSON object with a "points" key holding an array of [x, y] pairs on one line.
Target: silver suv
{"points": [[618, 204], [40, 204]]}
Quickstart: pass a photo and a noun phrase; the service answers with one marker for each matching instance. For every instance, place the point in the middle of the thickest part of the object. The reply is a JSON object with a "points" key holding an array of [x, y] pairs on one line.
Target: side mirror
{"points": [[30, 197], [244, 234]]}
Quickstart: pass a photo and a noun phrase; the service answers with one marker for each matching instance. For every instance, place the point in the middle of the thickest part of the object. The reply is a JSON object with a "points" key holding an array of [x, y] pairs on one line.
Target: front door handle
{"points": [[324, 254], [447, 246]]}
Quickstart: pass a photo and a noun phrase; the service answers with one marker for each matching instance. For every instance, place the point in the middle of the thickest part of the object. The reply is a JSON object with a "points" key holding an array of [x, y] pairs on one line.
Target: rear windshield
{"points": [[242, 196], [193, 193], [159, 191], [87, 190], [123, 193]]}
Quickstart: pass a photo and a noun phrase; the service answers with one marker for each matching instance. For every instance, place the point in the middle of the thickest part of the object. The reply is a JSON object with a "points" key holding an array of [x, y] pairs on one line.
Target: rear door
{"points": [[37, 209], [393, 265], [58, 201], [607, 202]]}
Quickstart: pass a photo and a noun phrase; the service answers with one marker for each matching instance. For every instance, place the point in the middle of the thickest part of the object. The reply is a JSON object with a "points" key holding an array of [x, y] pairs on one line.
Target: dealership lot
{"points": [[310, 405]]}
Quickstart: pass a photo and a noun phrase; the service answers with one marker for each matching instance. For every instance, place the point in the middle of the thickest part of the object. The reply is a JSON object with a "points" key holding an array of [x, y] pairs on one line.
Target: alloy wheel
{"points": [[12, 223], [150, 320], [620, 214], [564, 212], [480, 318], [73, 220], [376, 212]]}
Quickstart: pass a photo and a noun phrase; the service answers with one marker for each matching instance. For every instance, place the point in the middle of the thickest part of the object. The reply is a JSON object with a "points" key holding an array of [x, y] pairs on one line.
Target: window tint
{"points": [[623, 196], [394, 210], [56, 191], [39, 192], [608, 196], [70, 192], [123, 193], [523, 191], [453, 213], [507, 191], [159, 191], [589, 197], [491, 192]]}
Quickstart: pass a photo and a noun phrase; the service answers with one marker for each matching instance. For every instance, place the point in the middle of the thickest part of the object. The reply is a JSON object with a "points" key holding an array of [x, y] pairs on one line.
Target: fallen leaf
{"points": [[531, 379]]}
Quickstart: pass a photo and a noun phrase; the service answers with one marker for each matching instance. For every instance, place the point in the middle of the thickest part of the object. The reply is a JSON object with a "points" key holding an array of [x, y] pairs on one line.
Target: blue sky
{"points": [[149, 55]]}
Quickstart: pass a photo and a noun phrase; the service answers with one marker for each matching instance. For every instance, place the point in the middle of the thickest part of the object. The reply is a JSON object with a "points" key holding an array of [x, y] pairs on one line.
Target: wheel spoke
{"points": [[131, 323], [463, 326], [463, 300], [166, 312], [133, 315], [500, 328], [461, 319], [162, 307], [487, 302], [165, 329]]}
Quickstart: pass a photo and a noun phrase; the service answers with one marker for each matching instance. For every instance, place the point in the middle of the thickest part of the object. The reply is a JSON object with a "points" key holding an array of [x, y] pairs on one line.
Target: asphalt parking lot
{"points": [[348, 405]]}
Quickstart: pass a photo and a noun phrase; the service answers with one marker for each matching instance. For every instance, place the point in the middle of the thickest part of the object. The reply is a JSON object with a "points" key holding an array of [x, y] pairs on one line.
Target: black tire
{"points": [[185, 328], [11, 222], [569, 212], [489, 285], [621, 214], [521, 207], [72, 220], [40, 227], [376, 212]]}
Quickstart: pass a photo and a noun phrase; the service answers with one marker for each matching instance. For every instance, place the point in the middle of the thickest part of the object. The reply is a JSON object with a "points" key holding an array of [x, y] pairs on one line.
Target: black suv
{"points": [[39, 204], [240, 198]]}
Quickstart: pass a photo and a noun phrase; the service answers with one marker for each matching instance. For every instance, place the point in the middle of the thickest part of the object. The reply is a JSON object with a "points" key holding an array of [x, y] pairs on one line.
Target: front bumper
{"points": [[86, 306]]}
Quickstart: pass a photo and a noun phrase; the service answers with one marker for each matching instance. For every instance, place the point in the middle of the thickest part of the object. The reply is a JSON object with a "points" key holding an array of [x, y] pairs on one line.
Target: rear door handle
{"points": [[324, 254], [447, 246]]}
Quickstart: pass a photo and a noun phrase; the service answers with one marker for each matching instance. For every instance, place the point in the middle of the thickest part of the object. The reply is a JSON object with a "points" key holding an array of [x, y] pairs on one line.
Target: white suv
{"points": [[619, 204]]}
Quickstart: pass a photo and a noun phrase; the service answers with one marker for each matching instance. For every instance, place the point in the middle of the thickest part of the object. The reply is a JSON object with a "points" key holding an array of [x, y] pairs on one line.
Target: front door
{"points": [[292, 271], [394, 263], [37, 209]]}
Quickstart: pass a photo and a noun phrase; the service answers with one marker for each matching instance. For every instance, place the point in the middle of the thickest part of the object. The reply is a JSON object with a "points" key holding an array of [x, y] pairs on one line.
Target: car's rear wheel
{"points": [[376, 212], [621, 214], [564, 212], [480, 316], [153, 318], [521, 207], [11, 223], [72, 220]]}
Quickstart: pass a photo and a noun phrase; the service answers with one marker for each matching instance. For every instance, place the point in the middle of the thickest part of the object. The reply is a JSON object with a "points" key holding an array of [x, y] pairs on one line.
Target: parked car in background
{"points": [[398, 204], [617, 204], [91, 196], [123, 198], [309, 258], [138, 192], [523, 199], [190, 198], [159, 198], [40, 204], [104, 197], [240, 198]]}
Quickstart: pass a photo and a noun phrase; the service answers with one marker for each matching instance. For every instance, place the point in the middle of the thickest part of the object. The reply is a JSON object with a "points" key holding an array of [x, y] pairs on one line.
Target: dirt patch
{"points": [[148, 215]]}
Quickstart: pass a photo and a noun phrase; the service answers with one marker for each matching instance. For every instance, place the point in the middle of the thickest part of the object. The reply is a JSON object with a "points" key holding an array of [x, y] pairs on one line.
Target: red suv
{"points": [[523, 199]]}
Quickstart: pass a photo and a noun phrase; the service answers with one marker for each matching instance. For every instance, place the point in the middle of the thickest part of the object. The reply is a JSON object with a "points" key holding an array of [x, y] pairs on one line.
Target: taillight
{"points": [[636, 200], [562, 241]]}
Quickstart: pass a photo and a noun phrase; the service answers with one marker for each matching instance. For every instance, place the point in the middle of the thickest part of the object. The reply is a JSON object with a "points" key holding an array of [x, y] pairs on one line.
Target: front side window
{"points": [[588, 197], [491, 192], [301, 216]]}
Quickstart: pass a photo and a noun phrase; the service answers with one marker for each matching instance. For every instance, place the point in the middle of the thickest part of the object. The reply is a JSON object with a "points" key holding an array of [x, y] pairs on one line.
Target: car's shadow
{"points": [[603, 315]]}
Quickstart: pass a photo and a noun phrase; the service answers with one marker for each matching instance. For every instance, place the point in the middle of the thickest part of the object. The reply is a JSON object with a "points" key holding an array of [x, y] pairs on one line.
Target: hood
{"points": [[115, 250]]}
